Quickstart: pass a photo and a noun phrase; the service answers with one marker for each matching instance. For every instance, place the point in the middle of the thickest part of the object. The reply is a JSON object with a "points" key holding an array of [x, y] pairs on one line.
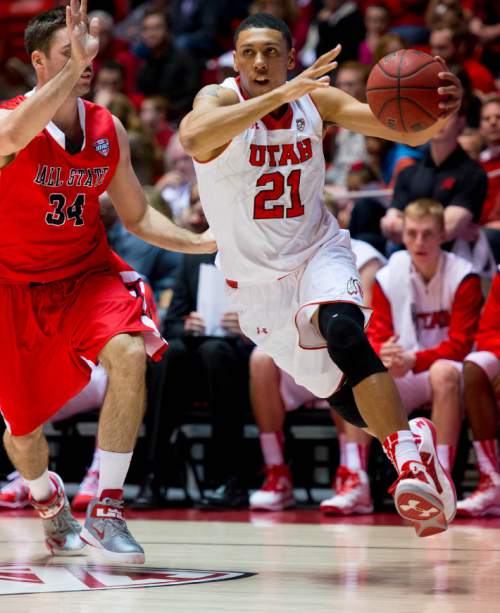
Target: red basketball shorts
{"points": [[48, 333]]}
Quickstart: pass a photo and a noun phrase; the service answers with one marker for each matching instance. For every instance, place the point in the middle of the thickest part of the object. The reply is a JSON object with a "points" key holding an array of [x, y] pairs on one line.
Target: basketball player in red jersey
{"points": [[291, 276], [64, 308]]}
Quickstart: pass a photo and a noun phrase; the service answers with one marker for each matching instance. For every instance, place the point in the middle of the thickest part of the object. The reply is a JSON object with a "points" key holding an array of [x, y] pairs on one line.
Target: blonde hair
{"points": [[425, 207]]}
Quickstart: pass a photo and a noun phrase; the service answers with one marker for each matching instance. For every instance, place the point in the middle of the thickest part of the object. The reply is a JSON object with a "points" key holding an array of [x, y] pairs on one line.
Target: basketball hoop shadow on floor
{"points": [[45, 577]]}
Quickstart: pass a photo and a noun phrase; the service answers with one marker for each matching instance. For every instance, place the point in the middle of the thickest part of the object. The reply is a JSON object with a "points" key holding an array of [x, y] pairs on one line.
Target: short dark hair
{"points": [[264, 20], [113, 65], [40, 29]]}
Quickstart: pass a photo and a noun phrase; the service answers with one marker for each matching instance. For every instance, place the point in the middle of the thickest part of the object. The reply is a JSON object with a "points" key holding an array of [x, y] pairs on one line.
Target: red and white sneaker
{"points": [[352, 496], [277, 492], [87, 491], [425, 435], [484, 501], [418, 501], [14, 495]]}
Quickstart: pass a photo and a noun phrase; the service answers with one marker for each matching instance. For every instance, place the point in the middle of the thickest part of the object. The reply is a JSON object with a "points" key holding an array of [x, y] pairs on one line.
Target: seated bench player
{"points": [[426, 308], [481, 376], [273, 392]]}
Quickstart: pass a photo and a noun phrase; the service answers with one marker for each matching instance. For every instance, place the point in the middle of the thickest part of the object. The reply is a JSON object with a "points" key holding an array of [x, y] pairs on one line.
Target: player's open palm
{"points": [[314, 77], [83, 36]]}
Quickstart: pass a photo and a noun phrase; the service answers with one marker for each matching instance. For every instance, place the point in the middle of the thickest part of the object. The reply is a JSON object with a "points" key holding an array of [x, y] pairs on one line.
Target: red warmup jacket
{"points": [[462, 321], [488, 335]]}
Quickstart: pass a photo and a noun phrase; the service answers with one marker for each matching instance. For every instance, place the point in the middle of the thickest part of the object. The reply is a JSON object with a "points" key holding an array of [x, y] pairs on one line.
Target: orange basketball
{"points": [[402, 90]]}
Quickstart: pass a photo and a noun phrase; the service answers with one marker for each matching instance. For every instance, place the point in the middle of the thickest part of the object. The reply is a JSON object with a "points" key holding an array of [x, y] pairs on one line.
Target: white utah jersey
{"points": [[262, 195]]}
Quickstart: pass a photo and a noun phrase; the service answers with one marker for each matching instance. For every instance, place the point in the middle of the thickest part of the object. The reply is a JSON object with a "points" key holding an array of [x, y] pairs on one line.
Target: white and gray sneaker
{"points": [[105, 528], [62, 531]]}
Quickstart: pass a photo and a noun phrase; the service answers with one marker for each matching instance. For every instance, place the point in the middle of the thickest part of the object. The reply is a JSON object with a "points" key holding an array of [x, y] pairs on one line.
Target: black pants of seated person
{"points": [[365, 222], [214, 370]]}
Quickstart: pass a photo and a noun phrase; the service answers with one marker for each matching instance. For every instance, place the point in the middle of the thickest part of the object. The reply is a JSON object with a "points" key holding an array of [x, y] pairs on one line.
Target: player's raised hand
{"points": [[84, 37], [314, 77], [452, 89]]}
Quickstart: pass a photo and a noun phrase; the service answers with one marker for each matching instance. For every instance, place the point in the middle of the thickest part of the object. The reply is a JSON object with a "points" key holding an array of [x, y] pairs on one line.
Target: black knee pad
{"points": [[344, 404], [342, 325]]}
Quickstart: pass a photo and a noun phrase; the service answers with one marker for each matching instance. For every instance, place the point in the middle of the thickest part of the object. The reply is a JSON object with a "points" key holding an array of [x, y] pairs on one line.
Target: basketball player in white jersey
{"points": [[291, 275]]}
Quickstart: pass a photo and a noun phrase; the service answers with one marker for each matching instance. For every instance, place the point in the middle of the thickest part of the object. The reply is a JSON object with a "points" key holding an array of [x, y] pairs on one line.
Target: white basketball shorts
{"points": [[277, 314], [487, 361]]}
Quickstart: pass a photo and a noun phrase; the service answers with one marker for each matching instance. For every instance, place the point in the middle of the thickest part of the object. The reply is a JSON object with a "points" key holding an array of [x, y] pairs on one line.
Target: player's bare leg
{"points": [[423, 493], [124, 359], [30, 456], [269, 412], [482, 412], [447, 413]]}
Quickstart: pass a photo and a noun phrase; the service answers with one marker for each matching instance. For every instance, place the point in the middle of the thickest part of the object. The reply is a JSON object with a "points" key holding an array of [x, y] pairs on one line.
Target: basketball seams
{"points": [[401, 118], [409, 74], [389, 87], [422, 108]]}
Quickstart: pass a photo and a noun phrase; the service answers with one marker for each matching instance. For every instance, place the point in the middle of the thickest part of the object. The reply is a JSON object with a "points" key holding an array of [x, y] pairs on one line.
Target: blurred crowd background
{"points": [[154, 56]]}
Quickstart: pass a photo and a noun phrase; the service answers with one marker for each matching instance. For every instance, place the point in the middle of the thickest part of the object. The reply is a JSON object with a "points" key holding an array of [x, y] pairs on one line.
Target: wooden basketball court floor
{"points": [[259, 562]]}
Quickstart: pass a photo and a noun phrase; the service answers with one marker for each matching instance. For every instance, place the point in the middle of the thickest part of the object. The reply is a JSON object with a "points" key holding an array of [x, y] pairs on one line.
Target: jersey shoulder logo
{"points": [[102, 146], [301, 124]]}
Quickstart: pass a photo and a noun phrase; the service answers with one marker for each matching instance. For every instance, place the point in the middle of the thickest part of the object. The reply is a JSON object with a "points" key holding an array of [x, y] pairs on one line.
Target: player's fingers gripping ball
{"points": [[402, 90]]}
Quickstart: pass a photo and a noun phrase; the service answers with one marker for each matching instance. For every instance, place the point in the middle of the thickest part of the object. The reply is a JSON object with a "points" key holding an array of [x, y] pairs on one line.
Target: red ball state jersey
{"points": [[49, 201]]}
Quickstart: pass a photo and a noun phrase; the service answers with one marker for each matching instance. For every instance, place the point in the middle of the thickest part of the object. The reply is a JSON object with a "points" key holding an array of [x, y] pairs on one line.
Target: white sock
{"points": [[113, 468], [342, 449], [400, 448], [94, 467], [42, 487], [272, 444], [353, 461]]}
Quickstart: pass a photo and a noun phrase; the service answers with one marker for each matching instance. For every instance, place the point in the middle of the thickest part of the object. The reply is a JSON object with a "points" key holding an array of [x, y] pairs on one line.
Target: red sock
{"points": [[272, 445]]}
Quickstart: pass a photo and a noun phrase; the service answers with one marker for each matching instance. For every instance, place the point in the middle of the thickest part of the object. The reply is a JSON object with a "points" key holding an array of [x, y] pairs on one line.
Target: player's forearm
{"points": [[29, 118], [420, 138], [156, 229], [204, 131]]}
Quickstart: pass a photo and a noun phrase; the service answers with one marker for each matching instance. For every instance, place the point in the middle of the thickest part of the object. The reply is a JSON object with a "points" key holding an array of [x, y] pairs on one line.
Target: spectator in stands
{"points": [[198, 367], [445, 12], [153, 114], [490, 161], [377, 21], [389, 43], [485, 24], [274, 392], [340, 21], [349, 147], [167, 71], [295, 14], [175, 185], [472, 143], [195, 25], [446, 174], [481, 373], [114, 49], [454, 46], [426, 308]]}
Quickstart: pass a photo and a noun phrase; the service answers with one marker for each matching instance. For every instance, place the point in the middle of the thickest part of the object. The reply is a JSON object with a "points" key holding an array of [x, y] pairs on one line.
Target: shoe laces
{"points": [[274, 478], [410, 470], [16, 485], [347, 479]]}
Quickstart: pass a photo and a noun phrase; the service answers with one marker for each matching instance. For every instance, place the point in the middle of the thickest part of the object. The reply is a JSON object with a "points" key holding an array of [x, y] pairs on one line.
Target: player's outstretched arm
{"points": [[20, 126], [216, 117], [338, 107], [142, 219]]}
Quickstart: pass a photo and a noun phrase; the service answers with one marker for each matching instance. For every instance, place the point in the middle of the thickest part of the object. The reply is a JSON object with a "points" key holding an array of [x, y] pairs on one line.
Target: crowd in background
{"points": [[153, 58]]}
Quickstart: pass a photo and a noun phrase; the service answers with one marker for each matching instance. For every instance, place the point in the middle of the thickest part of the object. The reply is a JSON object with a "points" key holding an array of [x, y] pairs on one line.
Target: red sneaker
{"points": [[484, 501], [277, 492], [418, 501], [15, 495], [87, 491], [352, 494]]}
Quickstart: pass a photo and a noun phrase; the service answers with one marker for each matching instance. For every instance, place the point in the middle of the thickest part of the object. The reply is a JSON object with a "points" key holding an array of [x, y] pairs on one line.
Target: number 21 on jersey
{"points": [[276, 184]]}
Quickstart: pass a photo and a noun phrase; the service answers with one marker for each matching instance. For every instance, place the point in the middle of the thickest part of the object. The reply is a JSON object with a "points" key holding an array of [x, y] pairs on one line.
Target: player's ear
{"points": [[292, 57], [235, 63], [37, 59]]}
